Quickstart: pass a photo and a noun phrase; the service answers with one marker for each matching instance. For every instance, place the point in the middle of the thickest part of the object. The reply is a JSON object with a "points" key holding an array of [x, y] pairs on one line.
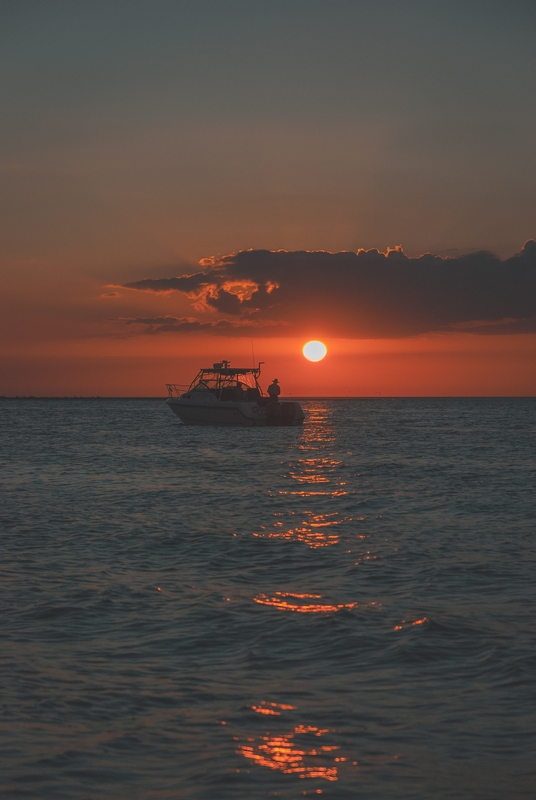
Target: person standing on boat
{"points": [[274, 390]]}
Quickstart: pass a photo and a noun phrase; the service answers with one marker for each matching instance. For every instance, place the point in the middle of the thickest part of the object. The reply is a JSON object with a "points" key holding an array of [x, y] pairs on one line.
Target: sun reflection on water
{"points": [[315, 472], [316, 467], [303, 757], [272, 709], [408, 623], [302, 493], [314, 530], [286, 601]]}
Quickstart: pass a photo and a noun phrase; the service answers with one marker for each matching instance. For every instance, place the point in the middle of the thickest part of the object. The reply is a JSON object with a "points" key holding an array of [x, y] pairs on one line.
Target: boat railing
{"points": [[176, 389]]}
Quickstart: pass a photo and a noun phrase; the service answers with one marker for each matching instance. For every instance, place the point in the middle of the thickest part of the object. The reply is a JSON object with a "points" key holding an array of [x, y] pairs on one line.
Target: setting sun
{"points": [[314, 351]]}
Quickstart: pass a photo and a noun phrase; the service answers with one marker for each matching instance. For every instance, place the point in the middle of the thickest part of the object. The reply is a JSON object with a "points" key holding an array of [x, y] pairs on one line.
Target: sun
{"points": [[314, 351]]}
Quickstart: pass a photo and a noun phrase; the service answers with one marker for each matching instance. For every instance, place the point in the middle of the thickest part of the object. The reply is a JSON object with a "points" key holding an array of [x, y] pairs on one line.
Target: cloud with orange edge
{"points": [[366, 294]]}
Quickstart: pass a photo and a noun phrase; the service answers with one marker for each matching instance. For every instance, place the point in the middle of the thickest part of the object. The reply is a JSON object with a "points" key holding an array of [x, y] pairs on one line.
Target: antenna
{"points": [[253, 354]]}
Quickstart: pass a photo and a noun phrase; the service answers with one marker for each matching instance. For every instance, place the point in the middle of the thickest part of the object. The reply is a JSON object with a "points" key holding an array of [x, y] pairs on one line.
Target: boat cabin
{"points": [[239, 384]]}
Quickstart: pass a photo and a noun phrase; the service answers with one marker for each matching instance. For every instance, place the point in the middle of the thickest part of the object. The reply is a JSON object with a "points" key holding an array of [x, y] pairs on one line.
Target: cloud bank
{"points": [[368, 294]]}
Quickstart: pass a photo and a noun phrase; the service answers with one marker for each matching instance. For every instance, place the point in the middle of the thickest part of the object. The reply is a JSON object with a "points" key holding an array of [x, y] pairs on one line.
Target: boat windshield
{"points": [[223, 376], [212, 383]]}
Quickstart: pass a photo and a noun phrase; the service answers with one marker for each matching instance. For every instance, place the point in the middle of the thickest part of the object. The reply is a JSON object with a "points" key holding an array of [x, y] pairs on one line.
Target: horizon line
{"points": [[290, 397]]}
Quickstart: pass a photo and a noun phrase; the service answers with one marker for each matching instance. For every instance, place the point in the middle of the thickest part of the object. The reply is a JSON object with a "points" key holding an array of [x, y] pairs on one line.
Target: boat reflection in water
{"points": [[231, 396]]}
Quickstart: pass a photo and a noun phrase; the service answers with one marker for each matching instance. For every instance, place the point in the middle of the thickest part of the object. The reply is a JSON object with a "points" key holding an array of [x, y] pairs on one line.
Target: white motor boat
{"points": [[225, 395]]}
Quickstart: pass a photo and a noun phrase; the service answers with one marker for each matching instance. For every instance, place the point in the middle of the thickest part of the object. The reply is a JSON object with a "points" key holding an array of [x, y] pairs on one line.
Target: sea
{"points": [[345, 609]]}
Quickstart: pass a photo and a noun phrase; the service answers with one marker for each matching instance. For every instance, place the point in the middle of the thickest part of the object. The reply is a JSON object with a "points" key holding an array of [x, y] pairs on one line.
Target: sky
{"points": [[356, 171]]}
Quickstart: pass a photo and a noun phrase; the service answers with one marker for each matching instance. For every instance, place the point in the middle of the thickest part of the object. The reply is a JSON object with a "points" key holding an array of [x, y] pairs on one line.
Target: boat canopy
{"points": [[230, 372], [221, 375]]}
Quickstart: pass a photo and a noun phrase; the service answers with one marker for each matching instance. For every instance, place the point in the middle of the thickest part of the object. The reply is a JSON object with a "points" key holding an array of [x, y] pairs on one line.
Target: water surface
{"points": [[345, 609]]}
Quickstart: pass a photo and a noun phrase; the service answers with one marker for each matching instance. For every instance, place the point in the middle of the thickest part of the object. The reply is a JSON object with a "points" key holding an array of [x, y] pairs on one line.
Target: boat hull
{"points": [[235, 414]]}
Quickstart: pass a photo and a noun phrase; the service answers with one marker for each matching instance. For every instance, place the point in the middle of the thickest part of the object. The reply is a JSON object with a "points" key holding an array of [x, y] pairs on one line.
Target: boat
{"points": [[225, 395]]}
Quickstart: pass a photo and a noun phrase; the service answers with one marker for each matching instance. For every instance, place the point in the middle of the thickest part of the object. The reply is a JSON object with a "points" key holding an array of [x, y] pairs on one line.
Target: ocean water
{"points": [[346, 609]]}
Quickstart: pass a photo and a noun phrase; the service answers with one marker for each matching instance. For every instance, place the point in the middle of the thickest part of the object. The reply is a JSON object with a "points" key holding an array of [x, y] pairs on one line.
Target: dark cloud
{"points": [[363, 294], [167, 324], [186, 283], [151, 321], [189, 325], [225, 302]]}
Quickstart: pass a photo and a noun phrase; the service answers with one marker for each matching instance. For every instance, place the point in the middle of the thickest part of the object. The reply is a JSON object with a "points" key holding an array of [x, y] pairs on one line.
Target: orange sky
{"points": [[61, 337], [135, 145], [447, 365]]}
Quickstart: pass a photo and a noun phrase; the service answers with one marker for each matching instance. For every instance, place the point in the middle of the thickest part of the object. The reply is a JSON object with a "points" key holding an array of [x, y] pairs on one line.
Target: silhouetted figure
{"points": [[274, 390]]}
